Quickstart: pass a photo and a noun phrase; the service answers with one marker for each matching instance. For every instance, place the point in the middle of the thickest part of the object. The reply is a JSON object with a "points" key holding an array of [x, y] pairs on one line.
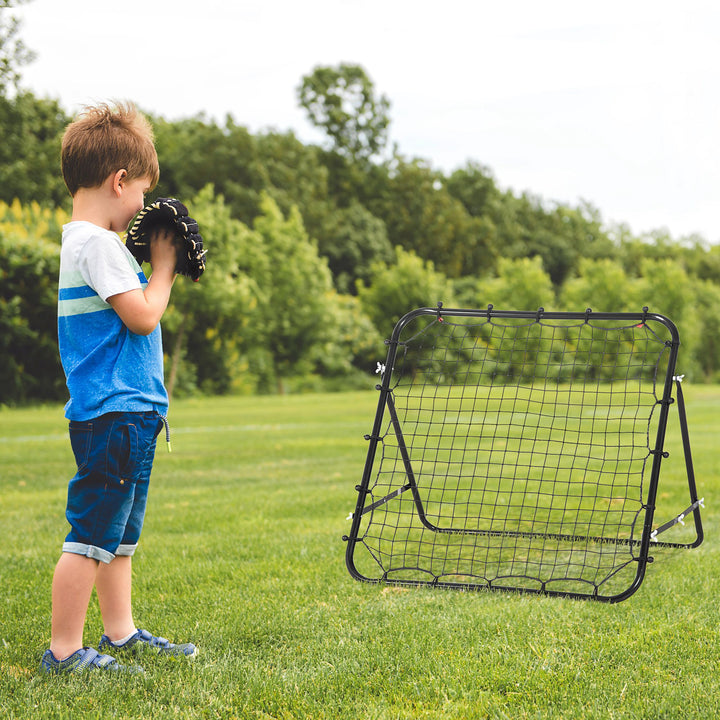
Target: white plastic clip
{"points": [[653, 536], [380, 369], [350, 516], [678, 378], [681, 519], [701, 502]]}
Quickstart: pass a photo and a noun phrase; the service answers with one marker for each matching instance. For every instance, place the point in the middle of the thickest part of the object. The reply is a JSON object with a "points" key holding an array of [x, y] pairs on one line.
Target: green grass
{"points": [[242, 553]]}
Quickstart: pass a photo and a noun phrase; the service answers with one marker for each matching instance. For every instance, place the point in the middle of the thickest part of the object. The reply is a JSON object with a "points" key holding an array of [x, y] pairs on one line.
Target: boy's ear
{"points": [[118, 180]]}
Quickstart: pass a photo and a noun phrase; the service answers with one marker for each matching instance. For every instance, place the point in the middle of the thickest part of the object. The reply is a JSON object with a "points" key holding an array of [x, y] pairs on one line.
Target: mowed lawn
{"points": [[242, 553]]}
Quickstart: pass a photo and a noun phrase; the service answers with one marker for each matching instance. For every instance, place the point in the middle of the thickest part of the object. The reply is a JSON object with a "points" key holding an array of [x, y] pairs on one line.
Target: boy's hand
{"points": [[163, 250]]}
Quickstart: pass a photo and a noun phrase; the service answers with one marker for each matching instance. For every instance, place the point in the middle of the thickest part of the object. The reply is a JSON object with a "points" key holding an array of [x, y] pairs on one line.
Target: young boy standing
{"points": [[111, 350]]}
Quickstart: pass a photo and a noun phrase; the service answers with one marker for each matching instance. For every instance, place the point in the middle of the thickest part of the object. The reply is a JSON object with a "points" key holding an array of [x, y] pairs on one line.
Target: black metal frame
{"points": [[648, 537]]}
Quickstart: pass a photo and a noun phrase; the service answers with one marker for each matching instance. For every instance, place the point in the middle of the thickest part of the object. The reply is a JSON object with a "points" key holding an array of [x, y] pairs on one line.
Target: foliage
{"points": [[707, 348], [601, 285], [13, 52], [666, 288], [296, 289], [207, 327], [353, 241], [29, 362], [422, 216], [295, 230], [341, 101], [519, 285], [350, 346], [195, 152], [409, 283], [31, 131], [560, 236], [262, 314]]}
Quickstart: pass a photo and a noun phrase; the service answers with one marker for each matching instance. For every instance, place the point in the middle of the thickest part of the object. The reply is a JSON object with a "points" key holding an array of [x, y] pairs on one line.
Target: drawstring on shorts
{"points": [[167, 432]]}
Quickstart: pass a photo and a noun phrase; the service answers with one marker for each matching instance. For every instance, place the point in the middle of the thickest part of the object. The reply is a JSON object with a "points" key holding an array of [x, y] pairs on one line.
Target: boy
{"points": [[111, 351]]}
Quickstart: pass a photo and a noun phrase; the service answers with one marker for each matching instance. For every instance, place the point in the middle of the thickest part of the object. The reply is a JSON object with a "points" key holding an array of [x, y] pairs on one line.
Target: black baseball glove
{"points": [[172, 214]]}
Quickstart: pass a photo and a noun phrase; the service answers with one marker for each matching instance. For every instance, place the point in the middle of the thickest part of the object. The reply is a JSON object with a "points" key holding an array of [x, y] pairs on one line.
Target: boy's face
{"points": [[132, 201]]}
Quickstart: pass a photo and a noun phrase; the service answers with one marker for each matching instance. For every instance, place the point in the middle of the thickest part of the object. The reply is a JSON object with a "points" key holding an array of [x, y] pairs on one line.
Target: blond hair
{"points": [[105, 139]]}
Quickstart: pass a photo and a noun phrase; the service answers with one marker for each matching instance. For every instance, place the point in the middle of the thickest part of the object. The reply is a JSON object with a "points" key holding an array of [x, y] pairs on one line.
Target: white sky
{"points": [[616, 102]]}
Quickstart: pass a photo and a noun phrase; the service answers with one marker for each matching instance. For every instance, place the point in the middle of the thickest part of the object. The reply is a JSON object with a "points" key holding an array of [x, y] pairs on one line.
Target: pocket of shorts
{"points": [[122, 453], [81, 435]]}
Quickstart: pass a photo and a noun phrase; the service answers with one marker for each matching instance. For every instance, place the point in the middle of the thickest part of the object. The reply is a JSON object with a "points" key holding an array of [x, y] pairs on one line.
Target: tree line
{"points": [[316, 250]]}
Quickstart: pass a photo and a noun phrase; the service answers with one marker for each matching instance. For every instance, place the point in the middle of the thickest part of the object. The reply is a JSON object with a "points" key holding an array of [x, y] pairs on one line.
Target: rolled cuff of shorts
{"points": [[90, 551], [126, 550]]}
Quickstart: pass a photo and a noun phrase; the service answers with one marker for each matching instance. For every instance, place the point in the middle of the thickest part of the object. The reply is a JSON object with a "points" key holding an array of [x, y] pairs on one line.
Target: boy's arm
{"points": [[141, 310]]}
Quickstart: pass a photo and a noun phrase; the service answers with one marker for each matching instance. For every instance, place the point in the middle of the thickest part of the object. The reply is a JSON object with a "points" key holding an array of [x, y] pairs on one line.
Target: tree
{"points": [[31, 130], [196, 151], [209, 328], [707, 350], [13, 53], [350, 346], [241, 166], [293, 174], [353, 240], [519, 285], [296, 287], [560, 235], [396, 289], [422, 216], [29, 246], [602, 285], [666, 288], [475, 187], [342, 101]]}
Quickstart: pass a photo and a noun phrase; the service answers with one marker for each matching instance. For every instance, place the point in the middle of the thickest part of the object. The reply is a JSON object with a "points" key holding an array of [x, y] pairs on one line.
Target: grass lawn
{"points": [[242, 553]]}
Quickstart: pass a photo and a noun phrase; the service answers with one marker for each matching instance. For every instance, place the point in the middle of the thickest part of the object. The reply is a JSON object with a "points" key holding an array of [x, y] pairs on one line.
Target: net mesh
{"points": [[515, 453]]}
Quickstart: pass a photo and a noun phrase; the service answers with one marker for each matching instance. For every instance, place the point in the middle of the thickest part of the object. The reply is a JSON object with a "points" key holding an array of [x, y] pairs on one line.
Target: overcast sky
{"points": [[616, 102]]}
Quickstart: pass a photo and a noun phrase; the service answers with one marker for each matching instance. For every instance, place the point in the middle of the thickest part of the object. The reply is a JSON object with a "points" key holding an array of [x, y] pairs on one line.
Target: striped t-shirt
{"points": [[107, 367]]}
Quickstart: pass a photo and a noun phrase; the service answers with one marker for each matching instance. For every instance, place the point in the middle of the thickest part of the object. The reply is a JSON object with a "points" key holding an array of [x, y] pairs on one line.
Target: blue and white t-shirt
{"points": [[108, 368]]}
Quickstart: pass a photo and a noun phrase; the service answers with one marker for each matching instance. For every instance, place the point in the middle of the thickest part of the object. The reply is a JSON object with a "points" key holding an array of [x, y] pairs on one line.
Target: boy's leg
{"points": [[71, 589], [113, 584], [114, 580]]}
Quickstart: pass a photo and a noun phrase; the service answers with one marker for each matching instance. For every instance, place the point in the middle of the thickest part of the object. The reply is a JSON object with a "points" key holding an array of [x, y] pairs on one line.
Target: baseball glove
{"points": [[172, 214]]}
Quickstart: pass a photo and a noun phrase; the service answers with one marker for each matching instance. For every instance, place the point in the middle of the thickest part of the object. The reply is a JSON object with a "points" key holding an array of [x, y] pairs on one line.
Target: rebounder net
{"points": [[520, 451]]}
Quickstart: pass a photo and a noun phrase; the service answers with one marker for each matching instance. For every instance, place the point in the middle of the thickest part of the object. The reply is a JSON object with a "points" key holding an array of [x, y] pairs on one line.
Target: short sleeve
{"points": [[108, 267]]}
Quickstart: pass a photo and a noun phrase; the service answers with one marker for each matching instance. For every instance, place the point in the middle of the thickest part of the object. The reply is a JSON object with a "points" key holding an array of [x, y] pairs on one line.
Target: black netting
{"points": [[516, 452]]}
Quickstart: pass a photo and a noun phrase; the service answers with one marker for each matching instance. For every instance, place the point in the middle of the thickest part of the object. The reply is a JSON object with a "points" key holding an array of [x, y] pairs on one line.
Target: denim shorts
{"points": [[107, 496]]}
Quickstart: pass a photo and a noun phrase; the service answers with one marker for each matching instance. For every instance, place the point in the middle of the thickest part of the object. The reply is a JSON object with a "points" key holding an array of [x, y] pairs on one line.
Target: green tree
{"points": [[519, 285], [29, 246], [342, 102], [707, 348], [209, 328], [352, 240], [241, 167], [31, 130], [602, 285], [474, 185], [13, 52], [665, 288], [196, 152], [422, 216], [350, 345], [294, 174], [296, 289], [526, 226], [396, 289]]}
